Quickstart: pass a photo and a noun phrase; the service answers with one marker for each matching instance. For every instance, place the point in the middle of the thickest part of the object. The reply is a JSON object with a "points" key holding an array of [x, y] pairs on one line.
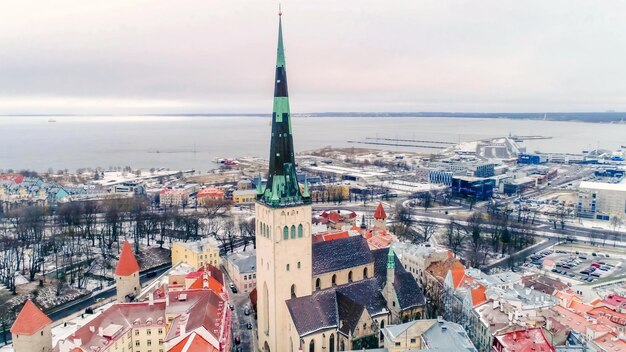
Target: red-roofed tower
{"points": [[380, 218], [127, 275], [31, 330]]}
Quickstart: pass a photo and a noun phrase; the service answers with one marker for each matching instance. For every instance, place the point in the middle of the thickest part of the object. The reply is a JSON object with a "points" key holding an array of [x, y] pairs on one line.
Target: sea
{"points": [[41, 143]]}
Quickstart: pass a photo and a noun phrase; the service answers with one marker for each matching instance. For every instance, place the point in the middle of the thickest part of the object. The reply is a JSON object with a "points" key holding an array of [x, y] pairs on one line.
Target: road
{"points": [[239, 320]]}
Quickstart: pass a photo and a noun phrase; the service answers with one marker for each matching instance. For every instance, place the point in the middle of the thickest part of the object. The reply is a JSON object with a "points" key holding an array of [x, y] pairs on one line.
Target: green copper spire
{"points": [[391, 259], [305, 191], [280, 55], [259, 185], [282, 187]]}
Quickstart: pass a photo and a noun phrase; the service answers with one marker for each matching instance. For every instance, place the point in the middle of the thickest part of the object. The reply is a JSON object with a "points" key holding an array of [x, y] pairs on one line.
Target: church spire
{"points": [[282, 185]]}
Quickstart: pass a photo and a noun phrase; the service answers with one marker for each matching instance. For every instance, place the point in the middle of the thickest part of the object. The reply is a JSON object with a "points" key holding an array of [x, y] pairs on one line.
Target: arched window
{"points": [[300, 230], [298, 265], [318, 283], [350, 276], [293, 291], [331, 343], [287, 267], [334, 280], [312, 346], [365, 273], [293, 231], [285, 233]]}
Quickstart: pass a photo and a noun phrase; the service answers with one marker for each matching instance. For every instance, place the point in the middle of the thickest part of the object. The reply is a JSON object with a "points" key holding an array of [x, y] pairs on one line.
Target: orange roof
{"points": [[330, 236], [478, 295], [214, 285], [128, 263], [458, 273], [30, 320], [193, 343], [380, 214]]}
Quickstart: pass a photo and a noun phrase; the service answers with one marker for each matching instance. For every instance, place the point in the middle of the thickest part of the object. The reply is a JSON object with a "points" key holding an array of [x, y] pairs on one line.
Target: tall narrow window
{"points": [[365, 273], [331, 343], [293, 291], [350, 276], [318, 283], [293, 231], [312, 346], [300, 230], [287, 267], [334, 280], [285, 233]]}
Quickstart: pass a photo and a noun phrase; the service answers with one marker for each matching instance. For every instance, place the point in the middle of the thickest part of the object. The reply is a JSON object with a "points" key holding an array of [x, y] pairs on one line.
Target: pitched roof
{"points": [[478, 295], [340, 254], [325, 309], [193, 343], [30, 320], [349, 313], [127, 265], [528, 340], [380, 214]]}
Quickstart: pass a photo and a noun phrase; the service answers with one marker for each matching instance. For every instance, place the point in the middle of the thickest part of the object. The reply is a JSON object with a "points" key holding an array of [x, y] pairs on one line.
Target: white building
{"points": [[601, 201]]}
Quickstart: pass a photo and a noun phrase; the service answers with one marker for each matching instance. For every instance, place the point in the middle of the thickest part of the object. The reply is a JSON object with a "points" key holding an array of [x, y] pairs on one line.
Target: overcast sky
{"points": [[166, 56]]}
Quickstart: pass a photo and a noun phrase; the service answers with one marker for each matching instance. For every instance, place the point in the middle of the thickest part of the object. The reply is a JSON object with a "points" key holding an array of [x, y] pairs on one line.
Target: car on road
{"points": [[246, 311], [237, 340], [249, 326]]}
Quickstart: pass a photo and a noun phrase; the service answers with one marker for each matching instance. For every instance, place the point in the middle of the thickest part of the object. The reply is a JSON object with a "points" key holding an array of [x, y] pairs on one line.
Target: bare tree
{"points": [[426, 229]]}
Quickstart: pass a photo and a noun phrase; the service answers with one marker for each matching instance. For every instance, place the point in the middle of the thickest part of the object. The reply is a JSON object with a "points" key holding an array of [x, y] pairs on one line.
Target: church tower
{"points": [[283, 226]]}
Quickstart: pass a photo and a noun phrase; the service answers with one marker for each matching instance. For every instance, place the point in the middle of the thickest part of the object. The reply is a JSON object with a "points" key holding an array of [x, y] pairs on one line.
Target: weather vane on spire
{"points": [[280, 11]]}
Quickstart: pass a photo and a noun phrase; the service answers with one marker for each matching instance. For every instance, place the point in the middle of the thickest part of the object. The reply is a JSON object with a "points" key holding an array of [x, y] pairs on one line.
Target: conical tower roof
{"points": [[380, 214], [128, 263], [30, 320]]}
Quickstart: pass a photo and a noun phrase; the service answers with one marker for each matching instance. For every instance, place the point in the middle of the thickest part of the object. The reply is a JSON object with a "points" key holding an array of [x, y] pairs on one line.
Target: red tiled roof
{"points": [[614, 300], [30, 320], [525, 341], [380, 214], [210, 192], [335, 217], [16, 178], [193, 343], [128, 263]]}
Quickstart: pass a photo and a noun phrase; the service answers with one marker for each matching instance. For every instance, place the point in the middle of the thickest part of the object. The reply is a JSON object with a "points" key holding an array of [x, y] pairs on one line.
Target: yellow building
{"points": [[197, 253], [247, 196]]}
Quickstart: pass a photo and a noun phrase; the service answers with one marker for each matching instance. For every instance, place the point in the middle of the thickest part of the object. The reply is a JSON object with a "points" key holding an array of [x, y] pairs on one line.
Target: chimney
{"points": [[151, 298]]}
